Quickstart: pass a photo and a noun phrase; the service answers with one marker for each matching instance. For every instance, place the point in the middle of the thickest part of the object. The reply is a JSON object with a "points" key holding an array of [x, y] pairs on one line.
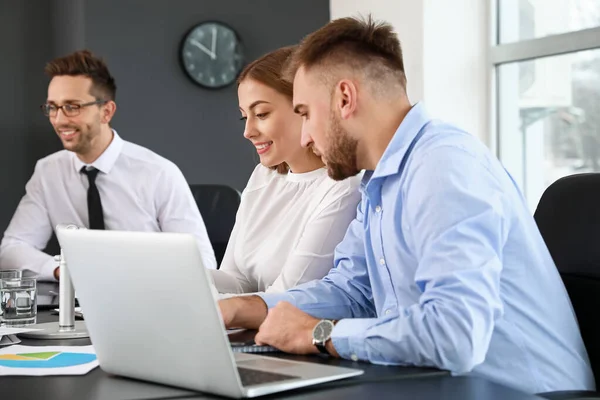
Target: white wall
{"points": [[406, 16], [455, 63], [445, 47]]}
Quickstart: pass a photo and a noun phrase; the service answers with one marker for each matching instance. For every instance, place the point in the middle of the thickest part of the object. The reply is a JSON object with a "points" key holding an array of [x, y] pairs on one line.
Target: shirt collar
{"points": [[410, 126], [107, 159]]}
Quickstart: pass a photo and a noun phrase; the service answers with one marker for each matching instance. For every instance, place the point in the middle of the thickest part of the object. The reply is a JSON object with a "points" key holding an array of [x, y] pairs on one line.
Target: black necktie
{"points": [[93, 200]]}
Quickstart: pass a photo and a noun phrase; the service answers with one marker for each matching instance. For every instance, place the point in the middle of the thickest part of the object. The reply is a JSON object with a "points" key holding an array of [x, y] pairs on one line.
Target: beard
{"points": [[82, 143], [341, 152]]}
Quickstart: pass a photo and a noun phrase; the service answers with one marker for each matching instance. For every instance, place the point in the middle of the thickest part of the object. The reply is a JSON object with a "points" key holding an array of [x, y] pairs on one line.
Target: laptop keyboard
{"points": [[251, 377]]}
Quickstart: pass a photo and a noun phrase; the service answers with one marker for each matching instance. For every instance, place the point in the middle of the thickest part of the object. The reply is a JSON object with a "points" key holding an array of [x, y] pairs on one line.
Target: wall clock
{"points": [[212, 54]]}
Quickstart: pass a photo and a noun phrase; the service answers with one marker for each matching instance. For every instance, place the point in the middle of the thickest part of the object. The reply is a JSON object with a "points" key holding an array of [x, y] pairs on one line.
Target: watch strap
{"points": [[321, 346]]}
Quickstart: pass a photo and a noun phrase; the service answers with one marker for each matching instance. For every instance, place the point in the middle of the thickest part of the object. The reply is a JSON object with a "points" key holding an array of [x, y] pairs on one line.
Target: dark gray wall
{"points": [[158, 106], [25, 46]]}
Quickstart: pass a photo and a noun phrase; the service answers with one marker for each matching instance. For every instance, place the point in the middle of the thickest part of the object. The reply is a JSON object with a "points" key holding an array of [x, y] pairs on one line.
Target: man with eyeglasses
{"points": [[99, 181]]}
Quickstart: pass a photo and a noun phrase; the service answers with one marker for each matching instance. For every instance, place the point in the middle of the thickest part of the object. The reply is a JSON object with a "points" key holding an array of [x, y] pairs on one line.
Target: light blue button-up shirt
{"points": [[444, 266]]}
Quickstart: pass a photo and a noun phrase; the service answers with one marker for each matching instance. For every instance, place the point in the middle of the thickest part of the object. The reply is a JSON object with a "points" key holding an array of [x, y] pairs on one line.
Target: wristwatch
{"points": [[322, 333]]}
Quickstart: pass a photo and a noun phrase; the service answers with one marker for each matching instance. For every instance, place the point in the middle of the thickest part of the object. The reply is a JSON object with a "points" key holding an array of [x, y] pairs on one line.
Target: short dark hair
{"points": [[268, 70], [84, 63], [361, 44]]}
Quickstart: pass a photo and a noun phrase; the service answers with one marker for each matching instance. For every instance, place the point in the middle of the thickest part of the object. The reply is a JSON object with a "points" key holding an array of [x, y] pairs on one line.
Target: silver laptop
{"points": [[152, 316]]}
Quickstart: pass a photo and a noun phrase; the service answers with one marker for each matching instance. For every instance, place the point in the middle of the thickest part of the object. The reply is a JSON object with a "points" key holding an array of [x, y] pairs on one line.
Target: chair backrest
{"points": [[568, 216], [218, 205]]}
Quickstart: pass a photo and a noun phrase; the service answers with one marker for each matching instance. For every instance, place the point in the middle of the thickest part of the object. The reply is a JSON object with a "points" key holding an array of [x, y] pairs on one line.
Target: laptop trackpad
{"points": [[267, 363]]}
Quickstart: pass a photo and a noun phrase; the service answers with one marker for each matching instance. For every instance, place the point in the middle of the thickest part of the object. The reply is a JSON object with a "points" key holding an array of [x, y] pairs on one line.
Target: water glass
{"points": [[18, 302], [11, 274]]}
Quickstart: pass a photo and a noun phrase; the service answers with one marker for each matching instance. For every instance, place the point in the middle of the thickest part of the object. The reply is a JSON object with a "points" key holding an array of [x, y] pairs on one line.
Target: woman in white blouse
{"points": [[292, 215]]}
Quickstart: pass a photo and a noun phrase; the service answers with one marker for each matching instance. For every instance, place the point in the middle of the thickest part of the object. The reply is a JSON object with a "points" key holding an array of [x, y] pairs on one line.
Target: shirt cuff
{"points": [[349, 335], [47, 271], [271, 299]]}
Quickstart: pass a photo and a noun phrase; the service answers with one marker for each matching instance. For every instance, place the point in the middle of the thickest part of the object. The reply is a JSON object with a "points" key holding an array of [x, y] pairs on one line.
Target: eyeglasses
{"points": [[70, 110]]}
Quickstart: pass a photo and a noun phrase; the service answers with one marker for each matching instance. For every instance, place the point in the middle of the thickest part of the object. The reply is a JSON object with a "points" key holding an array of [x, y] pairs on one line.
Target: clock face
{"points": [[212, 55]]}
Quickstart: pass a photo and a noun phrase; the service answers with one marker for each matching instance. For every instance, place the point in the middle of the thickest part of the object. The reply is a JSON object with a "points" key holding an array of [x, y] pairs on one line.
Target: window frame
{"points": [[525, 50]]}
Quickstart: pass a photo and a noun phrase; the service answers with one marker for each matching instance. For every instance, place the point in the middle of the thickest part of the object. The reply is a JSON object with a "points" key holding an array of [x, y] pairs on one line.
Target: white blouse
{"points": [[286, 230]]}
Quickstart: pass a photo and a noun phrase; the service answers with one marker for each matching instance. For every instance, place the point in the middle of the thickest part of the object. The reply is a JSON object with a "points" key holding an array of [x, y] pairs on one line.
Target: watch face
{"points": [[212, 55], [322, 331]]}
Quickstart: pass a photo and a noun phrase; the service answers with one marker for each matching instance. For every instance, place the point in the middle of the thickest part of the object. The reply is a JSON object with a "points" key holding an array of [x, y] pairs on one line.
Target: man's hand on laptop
{"points": [[290, 330], [243, 312]]}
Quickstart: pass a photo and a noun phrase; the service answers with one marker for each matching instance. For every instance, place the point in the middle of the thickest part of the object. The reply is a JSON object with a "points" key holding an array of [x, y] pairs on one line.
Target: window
{"points": [[530, 19], [547, 63]]}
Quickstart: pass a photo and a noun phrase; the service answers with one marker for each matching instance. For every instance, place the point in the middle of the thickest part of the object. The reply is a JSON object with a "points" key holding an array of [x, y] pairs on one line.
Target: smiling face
{"points": [[78, 133], [271, 124]]}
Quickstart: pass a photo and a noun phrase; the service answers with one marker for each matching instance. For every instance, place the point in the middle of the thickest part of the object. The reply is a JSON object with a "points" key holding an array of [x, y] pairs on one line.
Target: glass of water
{"points": [[18, 302], [11, 274]]}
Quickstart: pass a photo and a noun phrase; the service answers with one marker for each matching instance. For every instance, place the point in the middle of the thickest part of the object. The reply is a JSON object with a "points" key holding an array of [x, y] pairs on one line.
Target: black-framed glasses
{"points": [[69, 109]]}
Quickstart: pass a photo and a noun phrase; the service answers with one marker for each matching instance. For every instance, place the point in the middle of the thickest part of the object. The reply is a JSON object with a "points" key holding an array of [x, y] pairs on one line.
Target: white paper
{"points": [[39, 360]]}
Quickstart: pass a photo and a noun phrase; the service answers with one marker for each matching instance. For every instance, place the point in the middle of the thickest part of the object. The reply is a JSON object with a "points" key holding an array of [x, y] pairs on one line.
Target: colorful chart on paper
{"points": [[17, 360], [51, 359]]}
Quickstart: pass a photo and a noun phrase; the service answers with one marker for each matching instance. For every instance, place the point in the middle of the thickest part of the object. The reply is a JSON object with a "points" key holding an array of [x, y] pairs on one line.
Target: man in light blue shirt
{"points": [[443, 265]]}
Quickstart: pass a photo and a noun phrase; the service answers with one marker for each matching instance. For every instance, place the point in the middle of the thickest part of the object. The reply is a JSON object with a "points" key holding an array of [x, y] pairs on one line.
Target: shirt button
{"points": [[381, 261], [354, 357], [378, 209], [388, 311]]}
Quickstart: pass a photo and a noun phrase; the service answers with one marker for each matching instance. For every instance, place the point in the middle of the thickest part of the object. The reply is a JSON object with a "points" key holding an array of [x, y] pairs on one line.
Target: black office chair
{"points": [[568, 216], [218, 205]]}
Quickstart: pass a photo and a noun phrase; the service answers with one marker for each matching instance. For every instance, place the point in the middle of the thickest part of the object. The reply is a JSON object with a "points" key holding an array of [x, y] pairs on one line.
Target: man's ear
{"points": [[108, 111], [346, 92]]}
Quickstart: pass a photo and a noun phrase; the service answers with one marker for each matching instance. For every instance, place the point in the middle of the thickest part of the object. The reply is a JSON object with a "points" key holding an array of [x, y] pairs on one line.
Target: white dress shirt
{"points": [[286, 230], [140, 191]]}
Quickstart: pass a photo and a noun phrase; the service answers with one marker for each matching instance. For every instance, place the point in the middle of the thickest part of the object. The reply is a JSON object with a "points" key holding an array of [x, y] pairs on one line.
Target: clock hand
{"points": [[214, 42], [202, 47]]}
